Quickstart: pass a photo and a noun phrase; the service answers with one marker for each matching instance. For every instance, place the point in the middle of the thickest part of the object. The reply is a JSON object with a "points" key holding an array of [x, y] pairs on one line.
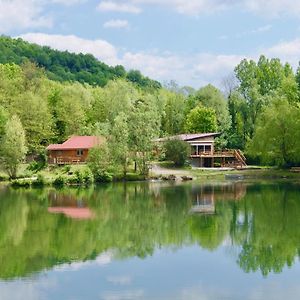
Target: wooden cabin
{"points": [[73, 151], [203, 153]]}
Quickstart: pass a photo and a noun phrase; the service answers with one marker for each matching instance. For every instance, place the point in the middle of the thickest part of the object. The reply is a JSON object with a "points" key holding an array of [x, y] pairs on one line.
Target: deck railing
{"points": [[67, 160], [223, 153]]}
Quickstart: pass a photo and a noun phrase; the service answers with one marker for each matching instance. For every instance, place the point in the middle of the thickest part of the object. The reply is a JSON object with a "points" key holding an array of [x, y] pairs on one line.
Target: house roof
{"points": [[78, 142], [188, 136]]}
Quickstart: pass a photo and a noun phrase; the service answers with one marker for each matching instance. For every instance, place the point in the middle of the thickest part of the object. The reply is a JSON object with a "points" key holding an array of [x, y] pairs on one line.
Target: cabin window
{"points": [[208, 148], [79, 152], [194, 150], [201, 148]]}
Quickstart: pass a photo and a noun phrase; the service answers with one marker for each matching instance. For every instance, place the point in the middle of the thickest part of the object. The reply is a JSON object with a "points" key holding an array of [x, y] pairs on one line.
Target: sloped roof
{"points": [[188, 136], [78, 142]]}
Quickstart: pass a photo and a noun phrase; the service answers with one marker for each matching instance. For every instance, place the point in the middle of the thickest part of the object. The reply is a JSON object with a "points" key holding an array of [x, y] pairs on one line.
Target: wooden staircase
{"points": [[240, 158]]}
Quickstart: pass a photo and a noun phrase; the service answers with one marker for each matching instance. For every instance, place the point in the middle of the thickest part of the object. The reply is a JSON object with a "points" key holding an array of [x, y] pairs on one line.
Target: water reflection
{"points": [[41, 229], [204, 197], [69, 205]]}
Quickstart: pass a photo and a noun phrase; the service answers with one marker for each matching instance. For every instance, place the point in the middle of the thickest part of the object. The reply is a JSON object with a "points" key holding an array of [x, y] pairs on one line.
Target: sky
{"points": [[193, 42]]}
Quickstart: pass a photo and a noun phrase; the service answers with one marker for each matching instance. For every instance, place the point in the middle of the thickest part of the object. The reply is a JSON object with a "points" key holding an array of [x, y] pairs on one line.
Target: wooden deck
{"points": [[68, 161], [228, 158]]}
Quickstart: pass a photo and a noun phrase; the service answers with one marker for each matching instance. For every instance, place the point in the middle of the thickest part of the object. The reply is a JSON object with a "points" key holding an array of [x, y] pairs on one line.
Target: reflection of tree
{"points": [[272, 239], [211, 230], [134, 220]]}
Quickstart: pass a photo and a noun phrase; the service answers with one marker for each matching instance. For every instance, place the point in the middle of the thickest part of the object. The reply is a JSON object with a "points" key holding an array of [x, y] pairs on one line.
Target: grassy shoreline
{"points": [[78, 175]]}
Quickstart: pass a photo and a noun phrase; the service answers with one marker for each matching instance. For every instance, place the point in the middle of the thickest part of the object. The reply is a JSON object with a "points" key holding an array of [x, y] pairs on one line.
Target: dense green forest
{"points": [[258, 111], [66, 66]]}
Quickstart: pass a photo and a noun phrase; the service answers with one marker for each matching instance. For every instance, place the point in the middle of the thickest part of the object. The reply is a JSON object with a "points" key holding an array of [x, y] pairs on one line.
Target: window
{"points": [[79, 152], [208, 148]]}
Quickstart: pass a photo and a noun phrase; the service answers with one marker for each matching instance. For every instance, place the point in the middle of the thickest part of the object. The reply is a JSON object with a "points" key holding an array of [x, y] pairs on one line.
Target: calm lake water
{"points": [[227, 240]]}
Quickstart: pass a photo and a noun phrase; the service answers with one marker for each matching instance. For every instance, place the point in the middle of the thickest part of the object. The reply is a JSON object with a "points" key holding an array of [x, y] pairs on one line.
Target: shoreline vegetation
{"points": [[80, 175]]}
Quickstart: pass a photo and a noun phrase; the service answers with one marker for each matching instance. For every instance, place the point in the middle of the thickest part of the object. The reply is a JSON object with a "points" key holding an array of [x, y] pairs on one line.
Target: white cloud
{"points": [[262, 29], [101, 49], [272, 8], [286, 51], [20, 14], [68, 2], [119, 280], [116, 24], [259, 30], [118, 7], [103, 259], [195, 70], [24, 14], [268, 8], [123, 295]]}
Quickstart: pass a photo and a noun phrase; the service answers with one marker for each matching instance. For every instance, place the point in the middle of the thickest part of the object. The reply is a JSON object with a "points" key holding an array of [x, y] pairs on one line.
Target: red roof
{"points": [[78, 142]]}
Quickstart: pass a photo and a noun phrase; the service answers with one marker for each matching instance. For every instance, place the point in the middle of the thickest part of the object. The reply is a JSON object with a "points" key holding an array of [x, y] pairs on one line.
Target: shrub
{"points": [[103, 177], [40, 181], [88, 176], [99, 162], [22, 183], [59, 181], [177, 151], [66, 168]]}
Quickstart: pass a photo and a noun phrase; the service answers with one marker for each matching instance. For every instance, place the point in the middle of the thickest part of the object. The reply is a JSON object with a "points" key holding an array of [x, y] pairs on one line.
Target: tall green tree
{"points": [[211, 97], [174, 117], [13, 147], [144, 127], [277, 136], [119, 144], [201, 120]]}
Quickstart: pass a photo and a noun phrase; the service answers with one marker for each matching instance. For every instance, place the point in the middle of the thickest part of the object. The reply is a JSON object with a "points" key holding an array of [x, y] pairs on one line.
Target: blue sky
{"points": [[193, 42]]}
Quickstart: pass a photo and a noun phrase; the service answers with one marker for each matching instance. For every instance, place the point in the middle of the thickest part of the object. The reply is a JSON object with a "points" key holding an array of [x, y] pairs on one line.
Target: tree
{"points": [[144, 123], [36, 120], [99, 162], [119, 143], [201, 119], [173, 118], [177, 151], [277, 136], [259, 81], [3, 120], [13, 148], [211, 97]]}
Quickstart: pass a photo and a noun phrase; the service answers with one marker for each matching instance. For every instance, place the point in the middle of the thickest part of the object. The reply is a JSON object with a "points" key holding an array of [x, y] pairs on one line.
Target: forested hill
{"points": [[66, 66]]}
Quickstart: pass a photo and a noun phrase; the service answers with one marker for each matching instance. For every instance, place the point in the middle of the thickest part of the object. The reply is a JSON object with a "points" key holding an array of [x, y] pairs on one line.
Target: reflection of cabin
{"points": [[204, 197], [68, 205], [204, 205], [203, 153], [74, 150]]}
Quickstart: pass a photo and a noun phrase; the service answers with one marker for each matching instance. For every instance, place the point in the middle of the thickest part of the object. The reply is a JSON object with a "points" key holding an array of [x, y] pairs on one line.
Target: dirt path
{"points": [[158, 170]]}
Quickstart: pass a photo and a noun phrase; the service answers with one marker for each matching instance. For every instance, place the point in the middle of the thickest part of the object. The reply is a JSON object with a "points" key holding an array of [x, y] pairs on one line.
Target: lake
{"points": [[218, 240]]}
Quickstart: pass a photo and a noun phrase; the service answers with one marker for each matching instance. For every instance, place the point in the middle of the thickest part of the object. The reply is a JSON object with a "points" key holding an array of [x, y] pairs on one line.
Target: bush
{"points": [[66, 168], [38, 165], [22, 183], [40, 181], [3, 177], [99, 162], [82, 177], [177, 151], [59, 181], [103, 177]]}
